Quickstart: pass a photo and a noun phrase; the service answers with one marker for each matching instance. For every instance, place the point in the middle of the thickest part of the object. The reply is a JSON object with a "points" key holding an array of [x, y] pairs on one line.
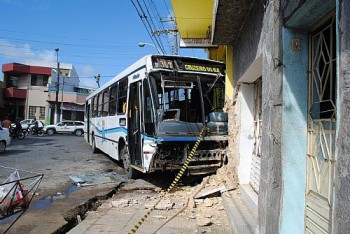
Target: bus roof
{"points": [[146, 62]]}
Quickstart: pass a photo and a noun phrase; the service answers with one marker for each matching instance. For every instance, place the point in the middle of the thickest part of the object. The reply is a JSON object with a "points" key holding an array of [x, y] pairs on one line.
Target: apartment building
{"points": [[30, 91]]}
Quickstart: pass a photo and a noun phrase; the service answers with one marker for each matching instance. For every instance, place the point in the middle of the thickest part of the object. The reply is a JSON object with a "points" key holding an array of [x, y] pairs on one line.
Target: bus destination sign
{"points": [[182, 65], [201, 68]]}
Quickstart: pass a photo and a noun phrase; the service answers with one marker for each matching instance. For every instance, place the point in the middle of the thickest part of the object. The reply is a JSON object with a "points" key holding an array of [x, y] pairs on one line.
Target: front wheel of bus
{"points": [[130, 172]]}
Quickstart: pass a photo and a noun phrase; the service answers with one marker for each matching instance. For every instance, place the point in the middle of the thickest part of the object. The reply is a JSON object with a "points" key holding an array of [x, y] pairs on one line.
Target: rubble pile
{"points": [[199, 204]]}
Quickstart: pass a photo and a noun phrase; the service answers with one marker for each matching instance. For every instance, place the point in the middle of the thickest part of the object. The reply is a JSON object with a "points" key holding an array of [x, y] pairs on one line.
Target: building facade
{"points": [[30, 91], [290, 74]]}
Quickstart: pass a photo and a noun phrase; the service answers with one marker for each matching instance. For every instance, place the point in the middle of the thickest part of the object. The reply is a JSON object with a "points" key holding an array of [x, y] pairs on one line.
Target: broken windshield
{"points": [[178, 95]]}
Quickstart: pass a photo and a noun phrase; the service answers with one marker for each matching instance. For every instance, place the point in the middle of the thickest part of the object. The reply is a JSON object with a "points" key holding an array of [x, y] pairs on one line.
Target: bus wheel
{"points": [[94, 148], [130, 172]]}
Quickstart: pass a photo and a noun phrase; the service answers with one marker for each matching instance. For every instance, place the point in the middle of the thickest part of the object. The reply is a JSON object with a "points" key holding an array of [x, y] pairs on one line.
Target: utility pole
{"points": [[57, 88], [61, 115], [97, 78], [166, 31]]}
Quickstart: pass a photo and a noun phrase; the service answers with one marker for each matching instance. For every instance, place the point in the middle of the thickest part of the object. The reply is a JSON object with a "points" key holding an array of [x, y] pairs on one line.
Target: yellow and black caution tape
{"points": [[173, 184]]}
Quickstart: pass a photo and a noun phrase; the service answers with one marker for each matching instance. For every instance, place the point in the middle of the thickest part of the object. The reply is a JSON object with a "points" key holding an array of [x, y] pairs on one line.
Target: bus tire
{"points": [[94, 148], [130, 172]]}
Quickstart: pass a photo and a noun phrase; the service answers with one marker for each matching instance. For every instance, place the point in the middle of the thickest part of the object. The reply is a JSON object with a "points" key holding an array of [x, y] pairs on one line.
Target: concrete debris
{"points": [[150, 205], [203, 221], [158, 189], [165, 205], [133, 201], [120, 203], [192, 203], [209, 191], [208, 202], [198, 201], [192, 216]]}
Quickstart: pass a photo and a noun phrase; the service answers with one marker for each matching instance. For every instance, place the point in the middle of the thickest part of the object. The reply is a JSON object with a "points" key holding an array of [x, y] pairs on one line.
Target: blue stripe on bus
{"points": [[145, 137], [169, 138], [110, 130], [178, 139]]}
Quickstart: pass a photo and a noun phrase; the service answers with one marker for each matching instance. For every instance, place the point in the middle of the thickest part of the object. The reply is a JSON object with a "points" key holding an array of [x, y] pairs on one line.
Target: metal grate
{"points": [[321, 129], [255, 165]]}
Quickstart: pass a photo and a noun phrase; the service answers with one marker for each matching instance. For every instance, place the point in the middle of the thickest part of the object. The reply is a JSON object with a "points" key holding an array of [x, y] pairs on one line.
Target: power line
{"points": [[56, 36], [67, 44]]}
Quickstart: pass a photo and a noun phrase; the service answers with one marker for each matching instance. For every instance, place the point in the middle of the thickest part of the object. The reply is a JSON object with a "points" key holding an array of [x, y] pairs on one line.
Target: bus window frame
{"points": [[111, 101], [105, 93], [100, 104], [122, 97]]}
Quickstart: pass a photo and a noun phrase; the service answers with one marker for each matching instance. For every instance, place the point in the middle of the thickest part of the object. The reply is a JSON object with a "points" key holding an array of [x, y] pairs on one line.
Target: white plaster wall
{"points": [[246, 138]]}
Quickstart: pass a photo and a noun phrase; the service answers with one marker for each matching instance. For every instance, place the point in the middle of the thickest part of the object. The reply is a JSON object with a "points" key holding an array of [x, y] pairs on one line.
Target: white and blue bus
{"points": [[150, 115]]}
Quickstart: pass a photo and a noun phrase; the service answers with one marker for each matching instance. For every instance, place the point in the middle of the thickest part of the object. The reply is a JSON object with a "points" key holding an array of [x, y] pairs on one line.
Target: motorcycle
{"points": [[37, 131], [16, 133]]}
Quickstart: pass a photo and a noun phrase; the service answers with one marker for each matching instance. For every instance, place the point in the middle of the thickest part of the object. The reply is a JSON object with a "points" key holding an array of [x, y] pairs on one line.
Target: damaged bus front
{"points": [[180, 98]]}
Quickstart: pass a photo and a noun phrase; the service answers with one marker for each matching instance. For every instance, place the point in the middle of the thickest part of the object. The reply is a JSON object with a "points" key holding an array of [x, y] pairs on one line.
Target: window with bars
{"points": [[32, 111], [42, 112]]}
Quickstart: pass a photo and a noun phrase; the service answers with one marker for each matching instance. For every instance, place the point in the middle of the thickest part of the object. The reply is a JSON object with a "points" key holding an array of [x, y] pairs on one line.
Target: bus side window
{"points": [[122, 94], [100, 104], [95, 105], [113, 100], [105, 102]]}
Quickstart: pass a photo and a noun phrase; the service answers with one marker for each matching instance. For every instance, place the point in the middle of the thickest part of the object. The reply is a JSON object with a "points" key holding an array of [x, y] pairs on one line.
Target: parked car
{"points": [[67, 126], [24, 123], [5, 139]]}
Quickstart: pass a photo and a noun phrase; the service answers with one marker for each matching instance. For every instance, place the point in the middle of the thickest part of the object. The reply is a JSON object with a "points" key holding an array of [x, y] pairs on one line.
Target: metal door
{"points": [[134, 124], [321, 129], [255, 164]]}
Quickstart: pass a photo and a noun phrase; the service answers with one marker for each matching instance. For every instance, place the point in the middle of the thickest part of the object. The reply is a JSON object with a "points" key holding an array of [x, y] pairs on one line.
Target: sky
{"points": [[95, 36]]}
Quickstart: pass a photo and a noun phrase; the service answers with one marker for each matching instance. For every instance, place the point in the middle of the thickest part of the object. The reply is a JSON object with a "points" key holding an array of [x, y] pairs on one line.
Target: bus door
{"points": [[134, 124], [87, 116]]}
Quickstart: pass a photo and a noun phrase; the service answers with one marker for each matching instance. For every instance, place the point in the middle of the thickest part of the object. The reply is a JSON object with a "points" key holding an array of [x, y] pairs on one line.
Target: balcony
{"points": [[15, 93], [71, 97]]}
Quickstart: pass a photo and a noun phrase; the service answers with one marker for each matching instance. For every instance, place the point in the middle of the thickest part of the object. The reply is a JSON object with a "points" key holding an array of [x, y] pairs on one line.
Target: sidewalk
{"points": [[174, 214], [241, 207]]}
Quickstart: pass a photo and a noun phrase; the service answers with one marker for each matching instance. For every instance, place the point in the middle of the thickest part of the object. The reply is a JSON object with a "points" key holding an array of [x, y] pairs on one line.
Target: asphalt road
{"points": [[57, 157]]}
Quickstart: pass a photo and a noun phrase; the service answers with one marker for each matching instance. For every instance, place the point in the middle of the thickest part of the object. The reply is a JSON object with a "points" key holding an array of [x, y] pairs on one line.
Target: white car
{"points": [[25, 123], [5, 139], [67, 126]]}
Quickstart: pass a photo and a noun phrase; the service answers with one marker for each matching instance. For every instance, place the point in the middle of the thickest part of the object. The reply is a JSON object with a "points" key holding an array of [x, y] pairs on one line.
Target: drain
{"points": [[79, 213]]}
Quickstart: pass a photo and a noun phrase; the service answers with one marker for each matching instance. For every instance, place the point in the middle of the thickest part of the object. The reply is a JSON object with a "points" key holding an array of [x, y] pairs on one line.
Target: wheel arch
{"points": [[121, 145]]}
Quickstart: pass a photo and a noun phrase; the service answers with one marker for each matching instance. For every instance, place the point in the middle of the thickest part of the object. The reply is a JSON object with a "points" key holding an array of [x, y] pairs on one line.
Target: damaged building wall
{"points": [[261, 35], [341, 220]]}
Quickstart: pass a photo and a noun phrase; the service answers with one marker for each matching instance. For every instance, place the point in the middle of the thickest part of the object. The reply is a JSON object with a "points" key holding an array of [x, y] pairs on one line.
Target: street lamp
{"points": [[97, 78], [142, 44], [57, 87]]}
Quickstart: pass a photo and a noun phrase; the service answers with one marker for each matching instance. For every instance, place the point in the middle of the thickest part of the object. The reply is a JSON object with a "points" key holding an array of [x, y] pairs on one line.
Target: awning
{"points": [[72, 107]]}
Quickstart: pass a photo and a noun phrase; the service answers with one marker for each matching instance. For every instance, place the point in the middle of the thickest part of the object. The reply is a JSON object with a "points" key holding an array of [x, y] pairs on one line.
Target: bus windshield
{"points": [[178, 96]]}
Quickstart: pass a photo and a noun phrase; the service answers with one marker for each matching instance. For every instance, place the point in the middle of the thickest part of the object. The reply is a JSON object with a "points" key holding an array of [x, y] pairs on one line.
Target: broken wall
{"points": [[261, 35], [341, 220]]}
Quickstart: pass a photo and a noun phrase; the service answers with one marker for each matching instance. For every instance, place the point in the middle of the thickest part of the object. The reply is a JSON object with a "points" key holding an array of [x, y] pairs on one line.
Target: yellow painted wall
{"points": [[229, 73]]}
